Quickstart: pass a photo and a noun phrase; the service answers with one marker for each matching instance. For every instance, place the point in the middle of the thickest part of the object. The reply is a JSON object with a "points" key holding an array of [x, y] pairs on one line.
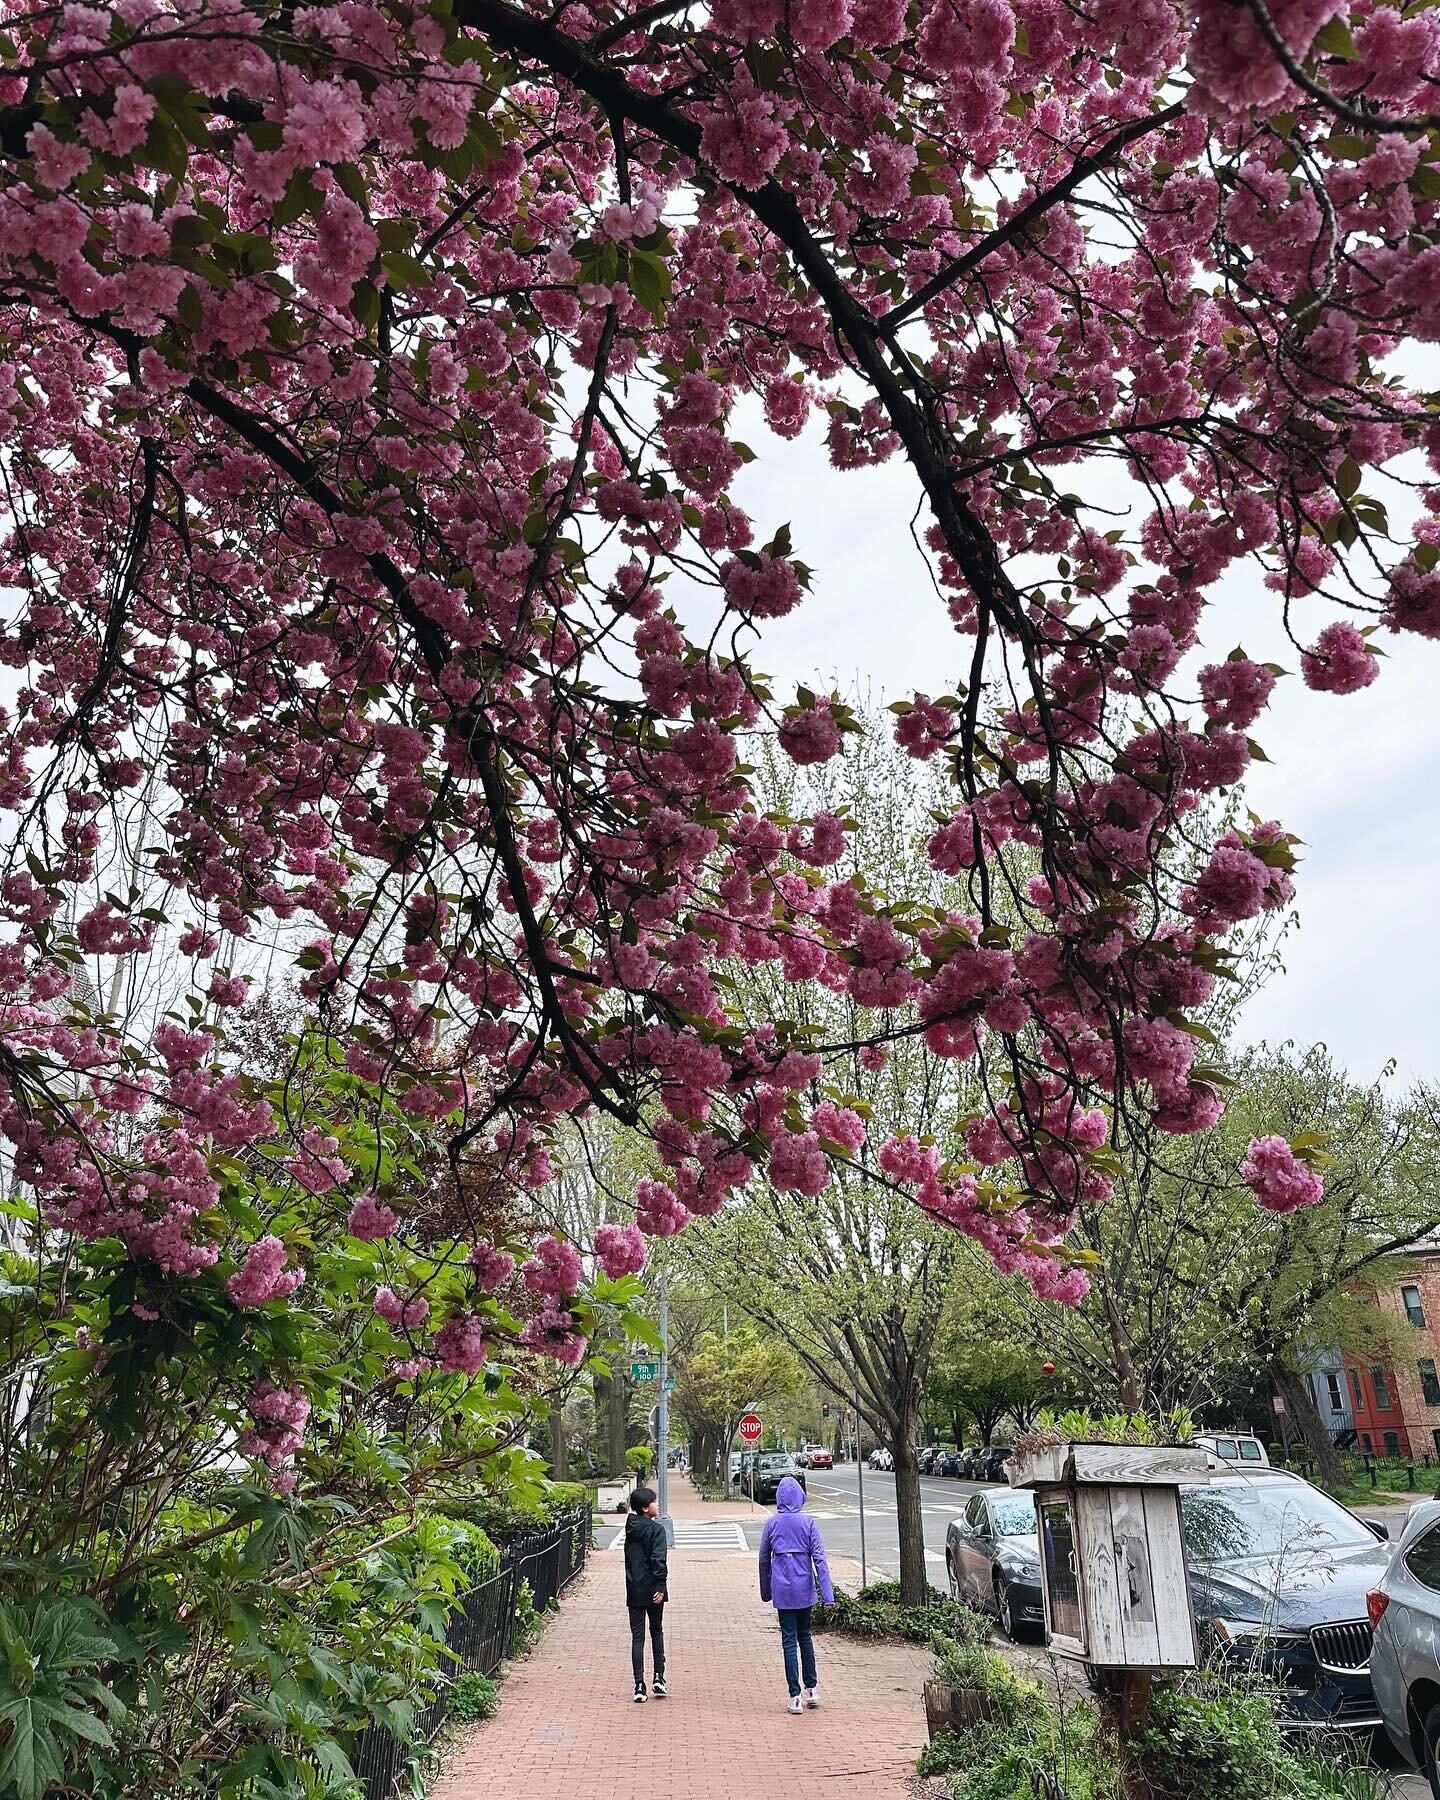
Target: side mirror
{"points": [[1379, 1527]]}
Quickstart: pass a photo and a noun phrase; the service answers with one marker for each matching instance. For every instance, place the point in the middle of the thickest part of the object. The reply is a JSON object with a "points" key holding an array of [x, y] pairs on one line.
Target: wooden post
{"points": [[1134, 1703]]}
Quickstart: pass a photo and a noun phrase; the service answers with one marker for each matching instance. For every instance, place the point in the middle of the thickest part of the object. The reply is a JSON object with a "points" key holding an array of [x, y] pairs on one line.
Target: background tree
{"points": [[1197, 1290], [717, 1378]]}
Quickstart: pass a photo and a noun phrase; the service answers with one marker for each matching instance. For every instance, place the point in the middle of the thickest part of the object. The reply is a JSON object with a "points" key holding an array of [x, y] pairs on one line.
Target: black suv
{"points": [[771, 1468]]}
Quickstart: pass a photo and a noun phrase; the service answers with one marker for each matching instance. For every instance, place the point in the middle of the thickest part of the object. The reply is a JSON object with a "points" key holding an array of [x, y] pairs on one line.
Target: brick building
{"points": [[1412, 1297], [1392, 1404]]}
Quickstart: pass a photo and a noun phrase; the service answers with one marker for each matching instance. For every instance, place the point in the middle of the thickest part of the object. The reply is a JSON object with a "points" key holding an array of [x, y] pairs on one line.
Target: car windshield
{"points": [[1014, 1515], [775, 1462], [1234, 1520]]}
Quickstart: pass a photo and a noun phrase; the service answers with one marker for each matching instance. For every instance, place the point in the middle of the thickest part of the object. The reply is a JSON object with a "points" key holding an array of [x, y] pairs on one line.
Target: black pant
{"points": [[655, 1612]]}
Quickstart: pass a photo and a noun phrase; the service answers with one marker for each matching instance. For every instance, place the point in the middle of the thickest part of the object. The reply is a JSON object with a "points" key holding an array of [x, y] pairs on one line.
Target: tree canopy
{"points": [[376, 601]]}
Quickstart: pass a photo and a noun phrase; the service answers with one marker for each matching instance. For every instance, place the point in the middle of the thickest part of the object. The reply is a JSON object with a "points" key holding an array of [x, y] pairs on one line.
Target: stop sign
{"points": [[750, 1429]]}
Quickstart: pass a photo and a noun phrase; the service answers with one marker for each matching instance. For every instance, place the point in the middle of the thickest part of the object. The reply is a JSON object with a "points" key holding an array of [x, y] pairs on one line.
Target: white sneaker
{"points": [[812, 1697], [797, 1705]]}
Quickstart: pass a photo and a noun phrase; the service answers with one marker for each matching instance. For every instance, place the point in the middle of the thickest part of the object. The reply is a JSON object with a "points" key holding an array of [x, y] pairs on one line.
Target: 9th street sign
{"points": [[644, 1371]]}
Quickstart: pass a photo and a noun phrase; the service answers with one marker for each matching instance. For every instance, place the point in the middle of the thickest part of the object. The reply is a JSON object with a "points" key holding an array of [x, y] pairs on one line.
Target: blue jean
{"points": [[795, 1631]]}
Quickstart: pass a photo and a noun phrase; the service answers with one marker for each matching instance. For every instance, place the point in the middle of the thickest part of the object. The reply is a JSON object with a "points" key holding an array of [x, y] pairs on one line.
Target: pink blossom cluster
{"points": [[1278, 1179], [491, 1266], [370, 1219], [620, 1250], [460, 1346], [264, 1275], [277, 1433], [400, 1314], [555, 1269]]}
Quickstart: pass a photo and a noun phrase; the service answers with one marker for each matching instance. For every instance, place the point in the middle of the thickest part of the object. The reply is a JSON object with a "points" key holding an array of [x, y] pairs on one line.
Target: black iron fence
{"points": [[481, 1633]]}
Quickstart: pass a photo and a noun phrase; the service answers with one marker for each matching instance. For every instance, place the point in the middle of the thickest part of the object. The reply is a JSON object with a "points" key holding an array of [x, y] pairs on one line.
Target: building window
{"points": [[1381, 1383], [1429, 1382], [1414, 1311], [1365, 1440], [1337, 1392], [1392, 1443], [1357, 1390]]}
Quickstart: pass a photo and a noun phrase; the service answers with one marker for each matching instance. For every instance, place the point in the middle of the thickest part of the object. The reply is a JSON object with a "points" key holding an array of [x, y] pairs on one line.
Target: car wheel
{"points": [[1431, 1729], [954, 1578], [1002, 1609]]}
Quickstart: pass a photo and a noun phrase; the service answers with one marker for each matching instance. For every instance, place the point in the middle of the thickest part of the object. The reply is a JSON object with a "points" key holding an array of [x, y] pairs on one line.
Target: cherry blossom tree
{"points": [[369, 406]]}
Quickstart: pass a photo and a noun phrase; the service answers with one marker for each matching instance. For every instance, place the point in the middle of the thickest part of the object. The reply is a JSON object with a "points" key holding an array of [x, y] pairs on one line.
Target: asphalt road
{"points": [[834, 1504]]}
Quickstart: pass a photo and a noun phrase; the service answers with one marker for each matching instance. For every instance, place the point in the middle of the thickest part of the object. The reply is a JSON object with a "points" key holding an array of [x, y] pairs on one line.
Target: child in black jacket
{"points": [[646, 1572]]}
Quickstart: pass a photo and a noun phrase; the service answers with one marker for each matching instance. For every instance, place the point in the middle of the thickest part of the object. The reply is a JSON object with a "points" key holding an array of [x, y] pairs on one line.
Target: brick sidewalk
{"points": [[567, 1725]]}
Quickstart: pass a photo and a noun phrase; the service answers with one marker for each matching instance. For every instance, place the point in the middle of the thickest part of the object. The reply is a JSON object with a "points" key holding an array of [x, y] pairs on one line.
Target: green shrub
{"points": [[1211, 1737], [877, 1612], [973, 1666], [945, 1755], [640, 1460], [472, 1696], [1031, 1742]]}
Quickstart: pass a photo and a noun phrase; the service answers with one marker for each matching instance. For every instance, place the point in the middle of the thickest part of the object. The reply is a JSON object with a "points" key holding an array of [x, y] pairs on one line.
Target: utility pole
{"points": [[860, 1477]]}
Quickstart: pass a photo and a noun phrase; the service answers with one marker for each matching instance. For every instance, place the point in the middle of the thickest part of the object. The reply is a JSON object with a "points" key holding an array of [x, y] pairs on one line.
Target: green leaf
{"points": [[1335, 39], [650, 282]]}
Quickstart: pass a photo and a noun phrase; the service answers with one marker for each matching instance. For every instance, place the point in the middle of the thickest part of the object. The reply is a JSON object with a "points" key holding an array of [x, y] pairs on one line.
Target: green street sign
{"points": [[644, 1371], [669, 1384]]}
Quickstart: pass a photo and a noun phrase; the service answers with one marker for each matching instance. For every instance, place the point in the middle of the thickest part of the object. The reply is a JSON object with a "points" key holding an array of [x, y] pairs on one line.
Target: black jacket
{"points": [[646, 1567]]}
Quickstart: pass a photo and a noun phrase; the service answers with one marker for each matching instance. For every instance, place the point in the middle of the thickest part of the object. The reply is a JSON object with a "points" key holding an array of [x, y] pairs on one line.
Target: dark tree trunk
{"points": [[559, 1461], [1126, 1382], [615, 1425], [1299, 1398], [913, 1580]]}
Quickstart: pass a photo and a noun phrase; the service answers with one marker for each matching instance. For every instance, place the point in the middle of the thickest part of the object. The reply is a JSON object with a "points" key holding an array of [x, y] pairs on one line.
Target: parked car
{"points": [[771, 1468], [817, 1457], [1235, 1447], [988, 1462], [1404, 1610], [743, 1473], [992, 1557], [802, 1456], [1279, 1573], [736, 1457], [930, 1459], [880, 1458], [965, 1462], [949, 1462]]}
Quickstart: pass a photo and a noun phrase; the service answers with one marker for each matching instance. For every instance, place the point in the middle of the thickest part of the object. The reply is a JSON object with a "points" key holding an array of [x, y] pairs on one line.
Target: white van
{"points": [[1234, 1447]]}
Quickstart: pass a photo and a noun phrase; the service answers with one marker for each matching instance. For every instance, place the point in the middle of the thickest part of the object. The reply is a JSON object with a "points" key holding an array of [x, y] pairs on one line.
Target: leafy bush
{"points": [[640, 1459], [973, 1666], [472, 1696], [877, 1612], [54, 1710], [1029, 1740], [1211, 1737]]}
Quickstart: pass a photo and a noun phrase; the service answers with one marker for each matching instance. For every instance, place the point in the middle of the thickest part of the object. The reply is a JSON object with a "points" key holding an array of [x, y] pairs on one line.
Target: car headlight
{"points": [[1254, 1631]]}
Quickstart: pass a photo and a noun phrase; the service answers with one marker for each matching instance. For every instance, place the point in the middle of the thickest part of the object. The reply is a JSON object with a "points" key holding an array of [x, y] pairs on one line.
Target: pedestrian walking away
{"points": [[646, 1590], [793, 1574]]}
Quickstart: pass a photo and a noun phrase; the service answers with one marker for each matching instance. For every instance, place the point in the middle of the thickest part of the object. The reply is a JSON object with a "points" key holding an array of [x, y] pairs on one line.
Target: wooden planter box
{"points": [[1125, 1465], [1112, 1551], [954, 1708]]}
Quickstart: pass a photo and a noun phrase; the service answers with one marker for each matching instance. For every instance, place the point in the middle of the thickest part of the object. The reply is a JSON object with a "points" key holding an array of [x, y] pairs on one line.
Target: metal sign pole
{"points": [[860, 1477], [663, 1430]]}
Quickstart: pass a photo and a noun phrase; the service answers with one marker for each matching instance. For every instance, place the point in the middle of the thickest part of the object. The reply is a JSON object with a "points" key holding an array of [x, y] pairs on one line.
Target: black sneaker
{"points": [[659, 1690], [639, 1693]]}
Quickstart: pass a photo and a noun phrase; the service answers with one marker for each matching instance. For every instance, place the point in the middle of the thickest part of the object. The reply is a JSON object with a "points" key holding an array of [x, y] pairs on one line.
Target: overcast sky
{"points": [[1355, 776]]}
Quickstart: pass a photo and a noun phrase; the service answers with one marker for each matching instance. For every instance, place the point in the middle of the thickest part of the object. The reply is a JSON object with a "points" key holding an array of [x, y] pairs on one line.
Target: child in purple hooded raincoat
{"points": [[792, 1569]]}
